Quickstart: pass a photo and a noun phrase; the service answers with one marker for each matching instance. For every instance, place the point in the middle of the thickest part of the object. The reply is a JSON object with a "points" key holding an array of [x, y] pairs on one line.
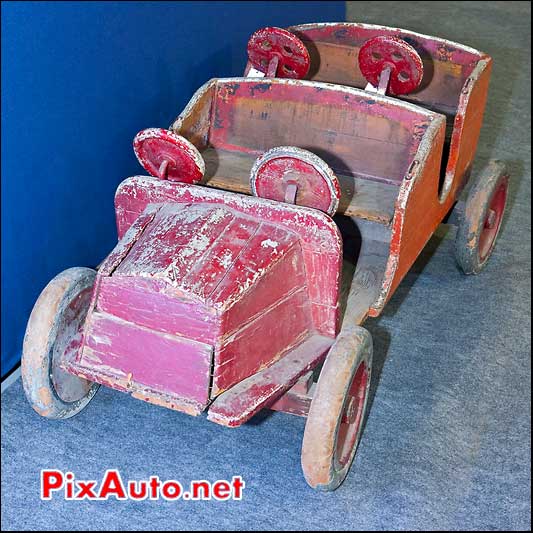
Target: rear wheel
{"points": [[337, 411], [482, 218], [53, 333]]}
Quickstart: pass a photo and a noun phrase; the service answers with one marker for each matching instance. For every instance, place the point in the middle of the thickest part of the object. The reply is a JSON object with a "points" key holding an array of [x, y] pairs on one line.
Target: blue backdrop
{"points": [[79, 80]]}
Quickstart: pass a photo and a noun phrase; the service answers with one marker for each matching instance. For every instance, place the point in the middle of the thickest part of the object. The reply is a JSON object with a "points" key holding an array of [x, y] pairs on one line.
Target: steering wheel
{"points": [[391, 64], [278, 53], [167, 155], [296, 176]]}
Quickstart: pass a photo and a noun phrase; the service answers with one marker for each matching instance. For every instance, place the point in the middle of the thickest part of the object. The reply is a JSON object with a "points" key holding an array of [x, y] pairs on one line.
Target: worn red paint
{"points": [[241, 402], [402, 60], [278, 53], [168, 156], [201, 273], [295, 176], [217, 300], [455, 85]]}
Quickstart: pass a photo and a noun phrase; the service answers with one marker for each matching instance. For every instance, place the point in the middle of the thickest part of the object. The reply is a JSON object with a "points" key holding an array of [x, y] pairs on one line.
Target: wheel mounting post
{"points": [[163, 169], [272, 69], [290, 192], [384, 79]]}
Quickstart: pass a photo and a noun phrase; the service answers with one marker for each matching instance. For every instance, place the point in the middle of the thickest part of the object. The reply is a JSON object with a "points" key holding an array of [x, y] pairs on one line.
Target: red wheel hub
{"points": [[352, 415], [168, 156], [403, 61], [278, 53], [493, 220]]}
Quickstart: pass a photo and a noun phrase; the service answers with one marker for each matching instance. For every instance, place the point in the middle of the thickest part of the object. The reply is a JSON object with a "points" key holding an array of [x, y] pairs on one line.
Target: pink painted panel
{"points": [[262, 341], [355, 34], [218, 262], [127, 240], [240, 403], [256, 115], [177, 238], [317, 232], [316, 229], [269, 245], [320, 265], [141, 358], [325, 319], [152, 304], [281, 279]]}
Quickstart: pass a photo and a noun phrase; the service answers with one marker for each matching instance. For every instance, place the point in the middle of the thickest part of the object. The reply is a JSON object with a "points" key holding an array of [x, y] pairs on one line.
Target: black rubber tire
{"points": [[320, 463], [474, 214], [49, 328]]}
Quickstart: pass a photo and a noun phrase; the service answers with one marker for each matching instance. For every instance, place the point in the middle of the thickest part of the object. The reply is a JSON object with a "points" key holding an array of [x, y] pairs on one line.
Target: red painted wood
{"points": [[403, 61], [257, 344], [318, 234], [277, 282], [243, 121], [175, 242], [278, 53], [155, 305], [127, 240], [296, 176], [319, 264], [326, 319], [168, 156], [139, 358], [198, 278], [240, 403], [350, 35], [269, 246], [217, 263], [293, 404], [297, 400]]}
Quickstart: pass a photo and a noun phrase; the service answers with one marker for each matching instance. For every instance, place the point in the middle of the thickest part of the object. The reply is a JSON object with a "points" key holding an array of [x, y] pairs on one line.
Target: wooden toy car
{"points": [[229, 303]]}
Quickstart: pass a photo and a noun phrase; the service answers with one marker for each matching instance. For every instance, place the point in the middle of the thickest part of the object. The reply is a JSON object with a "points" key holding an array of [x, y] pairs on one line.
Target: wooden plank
{"points": [[297, 400], [241, 402], [441, 95], [125, 244], [219, 261], [467, 127], [175, 241], [279, 279], [152, 304], [376, 134], [317, 232], [418, 214], [361, 197], [137, 359], [267, 338], [293, 403], [269, 245], [334, 48]]}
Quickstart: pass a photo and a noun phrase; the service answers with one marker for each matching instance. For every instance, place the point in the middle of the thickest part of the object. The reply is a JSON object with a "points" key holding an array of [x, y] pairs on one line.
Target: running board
{"points": [[238, 404]]}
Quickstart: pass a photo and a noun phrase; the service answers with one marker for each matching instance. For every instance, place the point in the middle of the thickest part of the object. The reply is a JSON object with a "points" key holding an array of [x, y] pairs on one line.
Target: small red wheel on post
{"points": [[482, 218], [167, 155], [391, 65], [296, 176], [335, 418], [278, 53]]}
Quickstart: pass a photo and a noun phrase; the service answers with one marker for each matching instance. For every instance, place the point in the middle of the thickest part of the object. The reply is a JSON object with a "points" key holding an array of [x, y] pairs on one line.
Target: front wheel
{"points": [[482, 218], [53, 333], [335, 418]]}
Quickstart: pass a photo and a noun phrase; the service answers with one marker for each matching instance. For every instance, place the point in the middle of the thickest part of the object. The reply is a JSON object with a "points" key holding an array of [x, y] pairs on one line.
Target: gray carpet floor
{"points": [[447, 439]]}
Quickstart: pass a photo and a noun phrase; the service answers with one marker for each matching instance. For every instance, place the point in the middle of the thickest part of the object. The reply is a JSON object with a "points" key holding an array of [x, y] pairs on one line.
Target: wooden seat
{"points": [[361, 197]]}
